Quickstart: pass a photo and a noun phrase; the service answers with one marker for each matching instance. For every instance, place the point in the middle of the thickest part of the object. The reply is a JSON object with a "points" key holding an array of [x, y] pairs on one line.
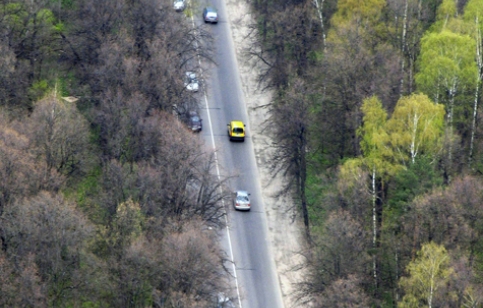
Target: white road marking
{"points": [[217, 169]]}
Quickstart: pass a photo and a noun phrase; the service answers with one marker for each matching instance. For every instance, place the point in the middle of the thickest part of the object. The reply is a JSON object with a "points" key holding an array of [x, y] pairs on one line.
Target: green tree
{"points": [[447, 69], [446, 11], [426, 274], [447, 64], [360, 11], [415, 127], [473, 14], [376, 160]]}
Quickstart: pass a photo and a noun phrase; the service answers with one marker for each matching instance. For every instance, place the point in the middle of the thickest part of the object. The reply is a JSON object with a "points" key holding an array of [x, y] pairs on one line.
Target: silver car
{"points": [[191, 82], [241, 201], [210, 14], [179, 5]]}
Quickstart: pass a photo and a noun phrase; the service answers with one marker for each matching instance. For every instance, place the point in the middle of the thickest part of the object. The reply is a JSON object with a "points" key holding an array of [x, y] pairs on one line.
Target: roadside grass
{"points": [[188, 11], [316, 190], [84, 191]]}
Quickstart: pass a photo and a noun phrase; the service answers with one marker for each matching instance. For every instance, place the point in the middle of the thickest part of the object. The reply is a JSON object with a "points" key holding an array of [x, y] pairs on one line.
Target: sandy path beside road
{"points": [[285, 234]]}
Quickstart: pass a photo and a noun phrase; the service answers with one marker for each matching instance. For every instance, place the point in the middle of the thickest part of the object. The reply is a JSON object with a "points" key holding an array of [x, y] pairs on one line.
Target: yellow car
{"points": [[236, 130]]}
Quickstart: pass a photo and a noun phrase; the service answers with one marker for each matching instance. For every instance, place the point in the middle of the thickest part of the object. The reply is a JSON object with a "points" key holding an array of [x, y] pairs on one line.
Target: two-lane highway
{"points": [[249, 242]]}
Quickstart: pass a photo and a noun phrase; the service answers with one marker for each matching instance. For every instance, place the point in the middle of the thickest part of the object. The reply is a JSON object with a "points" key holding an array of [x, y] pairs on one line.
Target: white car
{"points": [[241, 201], [210, 14], [191, 82], [224, 301], [179, 5]]}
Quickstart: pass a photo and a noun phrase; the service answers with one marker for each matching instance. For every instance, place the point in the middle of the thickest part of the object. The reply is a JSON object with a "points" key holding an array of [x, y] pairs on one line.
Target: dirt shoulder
{"points": [[285, 233]]}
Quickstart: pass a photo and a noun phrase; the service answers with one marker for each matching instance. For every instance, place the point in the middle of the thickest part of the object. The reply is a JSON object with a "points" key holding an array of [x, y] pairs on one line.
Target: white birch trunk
{"points": [[414, 150], [403, 47], [321, 18], [396, 259], [479, 61], [374, 224], [420, 8], [431, 291], [450, 121]]}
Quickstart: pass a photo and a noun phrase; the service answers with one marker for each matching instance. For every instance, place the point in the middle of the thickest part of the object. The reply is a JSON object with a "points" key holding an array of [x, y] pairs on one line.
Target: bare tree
{"points": [[60, 135], [22, 174], [21, 286], [118, 118], [283, 46], [437, 217], [50, 228], [191, 263], [178, 180], [290, 118], [343, 293], [340, 252]]}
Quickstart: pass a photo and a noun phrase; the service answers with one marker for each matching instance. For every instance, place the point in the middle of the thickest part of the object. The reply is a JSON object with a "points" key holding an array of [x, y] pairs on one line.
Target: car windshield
{"points": [[238, 130], [242, 199]]}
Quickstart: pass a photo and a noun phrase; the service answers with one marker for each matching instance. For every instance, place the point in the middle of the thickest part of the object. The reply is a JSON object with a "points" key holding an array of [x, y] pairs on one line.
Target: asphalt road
{"points": [[257, 281]]}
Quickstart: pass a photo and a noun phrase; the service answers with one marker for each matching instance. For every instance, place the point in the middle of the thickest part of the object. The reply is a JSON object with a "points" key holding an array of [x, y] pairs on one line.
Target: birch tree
{"points": [[415, 127], [427, 273], [447, 68], [473, 14], [375, 159]]}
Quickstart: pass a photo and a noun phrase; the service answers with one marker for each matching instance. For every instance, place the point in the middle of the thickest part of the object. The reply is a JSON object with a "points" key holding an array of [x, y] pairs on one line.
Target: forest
{"points": [[377, 110], [105, 199]]}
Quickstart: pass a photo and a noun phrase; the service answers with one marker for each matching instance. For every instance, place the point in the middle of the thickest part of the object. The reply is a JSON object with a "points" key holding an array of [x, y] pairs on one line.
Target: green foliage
{"points": [[363, 11], [46, 16], [416, 127], [39, 89], [15, 14], [419, 178], [474, 12], [352, 171], [378, 157], [316, 191], [446, 10], [429, 271], [64, 84], [87, 188], [446, 63], [59, 27]]}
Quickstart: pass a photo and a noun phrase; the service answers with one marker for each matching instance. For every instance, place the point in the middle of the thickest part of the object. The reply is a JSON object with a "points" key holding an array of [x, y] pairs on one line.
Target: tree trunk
{"points": [[303, 179], [321, 18], [450, 121], [478, 80], [403, 48], [374, 226]]}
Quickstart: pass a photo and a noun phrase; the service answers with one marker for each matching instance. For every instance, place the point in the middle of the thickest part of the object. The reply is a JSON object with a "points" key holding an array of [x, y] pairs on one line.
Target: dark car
{"points": [[195, 122], [210, 14]]}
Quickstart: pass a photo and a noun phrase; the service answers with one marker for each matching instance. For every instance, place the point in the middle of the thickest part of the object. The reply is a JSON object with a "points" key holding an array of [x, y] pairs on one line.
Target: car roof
{"points": [[237, 124], [242, 193]]}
